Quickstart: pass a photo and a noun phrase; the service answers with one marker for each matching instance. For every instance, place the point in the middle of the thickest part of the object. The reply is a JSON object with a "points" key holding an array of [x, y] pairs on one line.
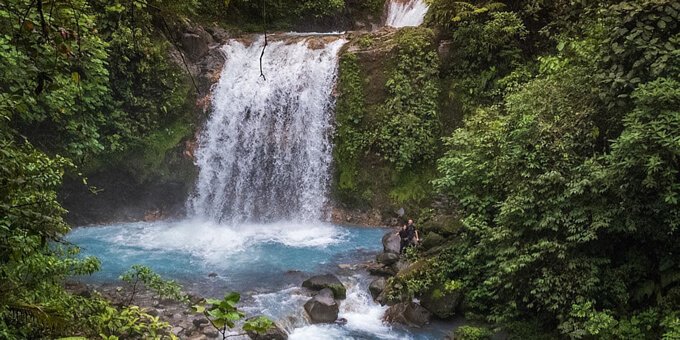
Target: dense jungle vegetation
{"points": [[552, 128], [82, 81], [565, 170]]}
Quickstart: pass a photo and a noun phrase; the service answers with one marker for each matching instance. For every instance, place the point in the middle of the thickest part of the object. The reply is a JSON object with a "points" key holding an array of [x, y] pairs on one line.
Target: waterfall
{"points": [[402, 13], [265, 152]]}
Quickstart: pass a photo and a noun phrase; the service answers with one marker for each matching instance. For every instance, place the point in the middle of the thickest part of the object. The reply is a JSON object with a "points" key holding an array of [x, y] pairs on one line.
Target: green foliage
{"points": [[449, 14], [388, 121], [80, 80], [351, 139], [472, 333], [411, 186], [163, 289], [259, 325], [223, 315], [566, 171], [129, 322], [410, 126], [54, 76], [487, 49], [280, 14], [33, 302], [84, 79]]}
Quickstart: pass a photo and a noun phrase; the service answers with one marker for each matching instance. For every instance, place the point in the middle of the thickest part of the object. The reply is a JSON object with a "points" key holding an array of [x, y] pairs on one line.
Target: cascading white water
{"points": [[403, 13], [266, 149]]}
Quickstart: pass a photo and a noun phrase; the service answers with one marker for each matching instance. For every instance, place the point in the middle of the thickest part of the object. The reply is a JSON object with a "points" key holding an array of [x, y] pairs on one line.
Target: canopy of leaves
{"points": [[566, 170]]}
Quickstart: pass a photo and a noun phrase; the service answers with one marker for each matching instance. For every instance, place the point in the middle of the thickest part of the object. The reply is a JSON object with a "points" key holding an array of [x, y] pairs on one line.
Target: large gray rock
{"points": [[400, 265], [378, 269], [195, 45], [329, 281], [442, 304], [322, 308], [408, 313], [376, 287], [391, 242], [274, 333], [387, 258]]}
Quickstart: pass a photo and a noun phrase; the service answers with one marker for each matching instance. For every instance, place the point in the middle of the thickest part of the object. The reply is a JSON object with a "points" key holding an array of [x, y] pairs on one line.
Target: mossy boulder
{"points": [[276, 332], [441, 303], [329, 281]]}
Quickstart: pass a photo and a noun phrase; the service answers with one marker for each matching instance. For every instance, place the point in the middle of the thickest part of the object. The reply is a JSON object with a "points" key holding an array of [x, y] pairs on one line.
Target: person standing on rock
{"points": [[403, 236], [412, 233]]}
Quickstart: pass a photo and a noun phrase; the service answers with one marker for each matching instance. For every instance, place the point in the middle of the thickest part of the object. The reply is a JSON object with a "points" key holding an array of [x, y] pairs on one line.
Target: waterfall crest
{"points": [[265, 152], [403, 13]]}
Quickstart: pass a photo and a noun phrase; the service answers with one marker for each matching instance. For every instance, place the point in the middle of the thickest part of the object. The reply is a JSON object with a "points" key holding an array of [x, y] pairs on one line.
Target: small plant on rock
{"points": [[223, 315], [140, 274]]}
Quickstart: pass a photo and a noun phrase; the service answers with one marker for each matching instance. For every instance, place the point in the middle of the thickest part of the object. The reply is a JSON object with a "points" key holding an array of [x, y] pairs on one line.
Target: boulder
{"points": [[322, 308], [441, 304], [400, 265], [387, 258], [376, 287], [329, 281], [385, 299], [378, 269], [194, 45], [408, 313], [391, 242], [276, 332]]}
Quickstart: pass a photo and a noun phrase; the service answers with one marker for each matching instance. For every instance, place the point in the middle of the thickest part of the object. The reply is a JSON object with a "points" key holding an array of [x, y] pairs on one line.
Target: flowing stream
{"points": [[404, 13]]}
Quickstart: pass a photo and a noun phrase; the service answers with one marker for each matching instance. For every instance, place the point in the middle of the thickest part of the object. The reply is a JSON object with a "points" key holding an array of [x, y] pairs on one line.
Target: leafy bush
{"points": [[410, 126], [163, 289], [472, 333], [223, 315]]}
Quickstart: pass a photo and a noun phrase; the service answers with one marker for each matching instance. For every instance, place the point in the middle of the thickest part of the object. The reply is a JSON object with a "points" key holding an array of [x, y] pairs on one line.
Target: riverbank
{"points": [[266, 264]]}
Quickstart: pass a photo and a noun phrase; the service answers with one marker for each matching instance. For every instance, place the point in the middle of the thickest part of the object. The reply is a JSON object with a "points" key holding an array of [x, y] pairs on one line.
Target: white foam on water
{"points": [[405, 13], [213, 242], [363, 315]]}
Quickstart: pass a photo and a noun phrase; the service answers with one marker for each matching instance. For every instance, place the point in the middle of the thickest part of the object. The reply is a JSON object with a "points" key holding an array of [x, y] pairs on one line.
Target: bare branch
{"points": [[264, 20]]}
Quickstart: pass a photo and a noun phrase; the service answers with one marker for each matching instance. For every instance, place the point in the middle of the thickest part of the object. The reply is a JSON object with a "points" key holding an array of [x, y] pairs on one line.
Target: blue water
{"points": [[253, 258], [266, 263]]}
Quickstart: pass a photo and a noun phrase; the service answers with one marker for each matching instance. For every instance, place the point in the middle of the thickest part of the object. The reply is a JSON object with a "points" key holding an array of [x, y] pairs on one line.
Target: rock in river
{"points": [[329, 281], [322, 308], [376, 287], [408, 313], [274, 333]]}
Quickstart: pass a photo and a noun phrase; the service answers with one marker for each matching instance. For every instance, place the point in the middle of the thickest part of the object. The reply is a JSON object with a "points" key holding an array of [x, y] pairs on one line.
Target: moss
{"points": [[378, 84], [412, 185], [365, 41], [339, 291], [150, 160]]}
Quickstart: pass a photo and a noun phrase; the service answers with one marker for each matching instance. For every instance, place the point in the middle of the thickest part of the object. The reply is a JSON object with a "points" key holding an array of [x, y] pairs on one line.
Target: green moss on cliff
{"points": [[388, 120]]}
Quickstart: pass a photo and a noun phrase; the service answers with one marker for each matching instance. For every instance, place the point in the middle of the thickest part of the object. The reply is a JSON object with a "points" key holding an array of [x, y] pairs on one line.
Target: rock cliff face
{"points": [[149, 184]]}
